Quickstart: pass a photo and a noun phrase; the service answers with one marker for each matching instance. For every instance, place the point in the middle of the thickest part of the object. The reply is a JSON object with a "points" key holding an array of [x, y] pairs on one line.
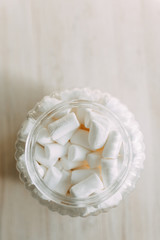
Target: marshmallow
{"points": [[90, 116], [67, 165], [64, 139], [27, 127], [62, 126], [80, 174], [80, 137], [86, 187], [55, 150], [40, 156], [64, 184], [109, 170], [81, 113], [41, 169], [58, 165], [52, 177], [112, 146], [43, 137], [94, 159], [77, 153], [97, 135], [47, 103], [61, 113]]}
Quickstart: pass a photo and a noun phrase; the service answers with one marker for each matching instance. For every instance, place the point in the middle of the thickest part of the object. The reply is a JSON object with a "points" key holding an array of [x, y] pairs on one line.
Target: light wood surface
{"points": [[113, 45]]}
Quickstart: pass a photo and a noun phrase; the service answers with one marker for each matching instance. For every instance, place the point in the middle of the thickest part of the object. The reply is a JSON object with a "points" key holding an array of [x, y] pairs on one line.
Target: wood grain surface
{"points": [[113, 45]]}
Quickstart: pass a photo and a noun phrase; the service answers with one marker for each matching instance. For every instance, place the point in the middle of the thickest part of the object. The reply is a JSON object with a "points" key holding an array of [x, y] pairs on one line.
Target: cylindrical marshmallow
{"points": [[47, 103], [61, 113], [62, 126], [80, 174], [77, 153], [112, 146], [68, 165], [55, 150], [64, 184], [53, 161], [97, 135], [91, 116], [58, 165], [109, 170], [81, 113], [41, 169], [64, 139], [86, 187], [52, 177], [94, 159], [43, 137], [80, 137], [39, 156]]}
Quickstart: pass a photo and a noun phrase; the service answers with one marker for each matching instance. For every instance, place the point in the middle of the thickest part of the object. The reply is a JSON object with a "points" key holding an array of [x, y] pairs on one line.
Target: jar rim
{"points": [[93, 199]]}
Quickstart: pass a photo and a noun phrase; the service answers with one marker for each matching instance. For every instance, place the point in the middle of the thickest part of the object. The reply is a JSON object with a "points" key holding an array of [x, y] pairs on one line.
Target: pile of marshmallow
{"points": [[77, 154]]}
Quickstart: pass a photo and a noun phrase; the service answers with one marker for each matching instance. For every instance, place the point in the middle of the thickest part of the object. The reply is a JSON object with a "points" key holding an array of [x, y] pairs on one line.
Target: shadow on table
{"points": [[18, 96]]}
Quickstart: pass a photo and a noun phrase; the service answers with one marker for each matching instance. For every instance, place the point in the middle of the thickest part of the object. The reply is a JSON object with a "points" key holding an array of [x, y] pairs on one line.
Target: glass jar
{"points": [[130, 160]]}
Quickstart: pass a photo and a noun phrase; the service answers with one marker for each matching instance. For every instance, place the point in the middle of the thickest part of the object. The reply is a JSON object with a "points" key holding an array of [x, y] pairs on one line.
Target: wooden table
{"points": [[111, 45]]}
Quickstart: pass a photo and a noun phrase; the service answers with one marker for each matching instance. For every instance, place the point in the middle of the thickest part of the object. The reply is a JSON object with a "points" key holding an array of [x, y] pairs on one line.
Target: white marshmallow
{"points": [[47, 103], [86, 187], [91, 116], [64, 184], [58, 165], [64, 139], [55, 150], [62, 126], [41, 169], [52, 177], [39, 156], [61, 113], [80, 174], [43, 137], [109, 170], [88, 118], [94, 159], [27, 127], [77, 153], [81, 113], [53, 161], [97, 135], [68, 165], [112, 146], [80, 137]]}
